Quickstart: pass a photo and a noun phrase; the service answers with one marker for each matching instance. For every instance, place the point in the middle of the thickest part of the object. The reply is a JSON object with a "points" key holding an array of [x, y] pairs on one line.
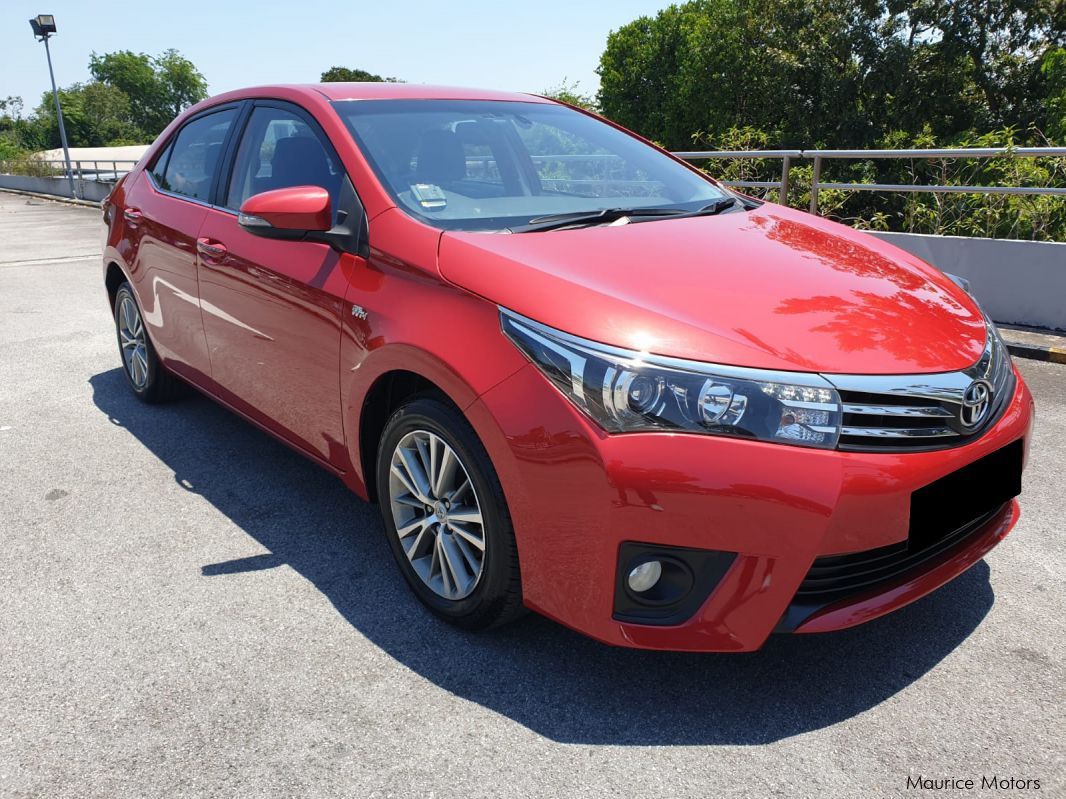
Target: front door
{"points": [[272, 308]]}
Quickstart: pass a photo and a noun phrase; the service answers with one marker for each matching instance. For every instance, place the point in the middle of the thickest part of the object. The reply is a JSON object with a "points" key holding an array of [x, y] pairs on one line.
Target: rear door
{"points": [[272, 308], [164, 212]]}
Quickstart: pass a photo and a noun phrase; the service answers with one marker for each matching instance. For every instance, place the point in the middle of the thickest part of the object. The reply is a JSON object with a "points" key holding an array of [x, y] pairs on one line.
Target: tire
{"points": [[145, 374], [447, 546]]}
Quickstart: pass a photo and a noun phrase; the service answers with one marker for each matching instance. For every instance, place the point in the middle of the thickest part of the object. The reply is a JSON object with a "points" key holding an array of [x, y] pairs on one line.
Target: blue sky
{"points": [[526, 46]]}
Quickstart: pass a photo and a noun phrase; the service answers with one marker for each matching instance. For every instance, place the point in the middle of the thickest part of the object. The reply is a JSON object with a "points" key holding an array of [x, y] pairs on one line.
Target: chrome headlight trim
{"points": [[812, 379], [915, 412], [627, 391]]}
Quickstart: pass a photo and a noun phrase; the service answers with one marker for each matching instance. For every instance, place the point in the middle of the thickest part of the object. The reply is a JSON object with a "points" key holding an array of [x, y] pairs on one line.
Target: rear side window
{"points": [[278, 150], [194, 156]]}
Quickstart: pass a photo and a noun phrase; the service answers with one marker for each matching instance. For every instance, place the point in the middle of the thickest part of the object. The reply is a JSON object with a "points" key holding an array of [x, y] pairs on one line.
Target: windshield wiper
{"points": [[605, 215], [716, 207]]}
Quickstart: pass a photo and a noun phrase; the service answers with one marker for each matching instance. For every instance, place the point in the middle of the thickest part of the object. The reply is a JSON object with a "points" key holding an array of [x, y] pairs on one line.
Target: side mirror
{"points": [[289, 213]]}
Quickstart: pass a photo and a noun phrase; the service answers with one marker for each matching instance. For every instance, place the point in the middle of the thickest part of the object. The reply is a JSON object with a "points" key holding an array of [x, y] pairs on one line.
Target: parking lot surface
{"points": [[187, 608]]}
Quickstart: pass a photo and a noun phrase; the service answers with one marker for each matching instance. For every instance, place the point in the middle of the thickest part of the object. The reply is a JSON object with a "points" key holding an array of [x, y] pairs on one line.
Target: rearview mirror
{"points": [[289, 213]]}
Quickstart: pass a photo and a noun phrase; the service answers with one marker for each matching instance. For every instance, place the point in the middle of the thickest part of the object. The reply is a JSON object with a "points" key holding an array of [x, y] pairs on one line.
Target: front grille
{"points": [[897, 421], [942, 514], [921, 412], [838, 576]]}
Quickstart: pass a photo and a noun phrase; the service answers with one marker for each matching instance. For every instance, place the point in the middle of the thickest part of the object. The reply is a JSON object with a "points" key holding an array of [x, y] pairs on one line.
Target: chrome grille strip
{"points": [[898, 432], [898, 410]]}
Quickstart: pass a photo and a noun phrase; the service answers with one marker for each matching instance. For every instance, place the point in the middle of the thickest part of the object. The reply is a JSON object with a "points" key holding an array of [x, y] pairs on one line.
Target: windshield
{"points": [[492, 165]]}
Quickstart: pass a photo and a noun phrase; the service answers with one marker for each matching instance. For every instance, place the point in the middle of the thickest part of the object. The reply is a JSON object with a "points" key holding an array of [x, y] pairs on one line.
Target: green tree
{"points": [[964, 65], [11, 108], [158, 88], [107, 114], [789, 67], [571, 93], [831, 72], [348, 75], [94, 115], [17, 135], [994, 44], [181, 83], [1054, 71]]}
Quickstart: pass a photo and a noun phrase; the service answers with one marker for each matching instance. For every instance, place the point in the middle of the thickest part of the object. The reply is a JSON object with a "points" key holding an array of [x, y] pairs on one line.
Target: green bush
{"points": [[33, 167]]}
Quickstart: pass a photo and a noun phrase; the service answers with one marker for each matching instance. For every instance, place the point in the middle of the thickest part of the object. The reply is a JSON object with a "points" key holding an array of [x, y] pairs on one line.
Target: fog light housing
{"points": [[657, 584], [645, 576]]}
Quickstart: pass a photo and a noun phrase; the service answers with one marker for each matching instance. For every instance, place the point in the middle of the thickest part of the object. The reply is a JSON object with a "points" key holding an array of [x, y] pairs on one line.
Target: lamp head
{"points": [[44, 25]]}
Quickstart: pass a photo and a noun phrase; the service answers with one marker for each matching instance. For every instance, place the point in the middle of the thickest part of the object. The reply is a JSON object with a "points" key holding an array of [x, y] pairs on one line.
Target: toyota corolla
{"points": [[577, 374]]}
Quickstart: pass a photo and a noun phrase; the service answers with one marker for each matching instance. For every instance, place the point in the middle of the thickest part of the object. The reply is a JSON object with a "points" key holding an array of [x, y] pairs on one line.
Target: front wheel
{"points": [[446, 517], [146, 376]]}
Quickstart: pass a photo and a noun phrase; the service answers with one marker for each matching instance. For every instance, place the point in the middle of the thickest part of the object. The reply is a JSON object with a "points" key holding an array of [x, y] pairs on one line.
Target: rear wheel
{"points": [[146, 375], [446, 517]]}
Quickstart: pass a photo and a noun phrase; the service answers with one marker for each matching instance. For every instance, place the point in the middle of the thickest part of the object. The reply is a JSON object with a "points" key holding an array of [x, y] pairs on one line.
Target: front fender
{"points": [[399, 316]]}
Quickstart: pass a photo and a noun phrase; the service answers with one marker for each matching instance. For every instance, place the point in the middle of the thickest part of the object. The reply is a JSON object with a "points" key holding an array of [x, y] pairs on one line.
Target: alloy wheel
{"points": [[132, 340], [437, 515]]}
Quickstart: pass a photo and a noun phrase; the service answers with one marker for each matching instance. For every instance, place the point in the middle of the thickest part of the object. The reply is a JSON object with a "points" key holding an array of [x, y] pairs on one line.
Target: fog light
{"points": [[659, 584], [645, 576]]}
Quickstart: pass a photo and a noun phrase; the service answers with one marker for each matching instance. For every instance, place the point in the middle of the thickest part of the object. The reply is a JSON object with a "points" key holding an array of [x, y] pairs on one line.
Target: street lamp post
{"points": [[44, 26]]}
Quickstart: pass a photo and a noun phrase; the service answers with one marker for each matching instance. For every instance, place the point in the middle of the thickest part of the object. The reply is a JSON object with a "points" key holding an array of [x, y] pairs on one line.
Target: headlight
{"points": [[624, 391]]}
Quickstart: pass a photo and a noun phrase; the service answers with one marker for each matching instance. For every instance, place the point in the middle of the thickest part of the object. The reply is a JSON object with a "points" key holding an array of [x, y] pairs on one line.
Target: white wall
{"points": [[130, 152], [1018, 282]]}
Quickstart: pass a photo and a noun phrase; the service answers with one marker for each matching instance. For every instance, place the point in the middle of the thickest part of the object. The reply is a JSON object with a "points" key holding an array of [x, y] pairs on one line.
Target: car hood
{"points": [[772, 288]]}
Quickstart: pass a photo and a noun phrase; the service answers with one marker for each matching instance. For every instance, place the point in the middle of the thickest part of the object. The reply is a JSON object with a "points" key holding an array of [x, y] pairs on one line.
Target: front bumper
{"points": [[577, 494]]}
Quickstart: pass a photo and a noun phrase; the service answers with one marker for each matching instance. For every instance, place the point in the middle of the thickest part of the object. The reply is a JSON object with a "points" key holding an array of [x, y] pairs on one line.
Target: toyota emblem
{"points": [[976, 401]]}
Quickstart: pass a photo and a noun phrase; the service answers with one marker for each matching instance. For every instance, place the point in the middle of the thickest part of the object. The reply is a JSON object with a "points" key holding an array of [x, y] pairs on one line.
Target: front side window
{"points": [[159, 168], [279, 150], [490, 165], [194, 156]]}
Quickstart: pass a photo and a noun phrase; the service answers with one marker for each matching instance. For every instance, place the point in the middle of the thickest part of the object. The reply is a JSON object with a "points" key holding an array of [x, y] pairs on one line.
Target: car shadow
{"points": [[538, 673]]}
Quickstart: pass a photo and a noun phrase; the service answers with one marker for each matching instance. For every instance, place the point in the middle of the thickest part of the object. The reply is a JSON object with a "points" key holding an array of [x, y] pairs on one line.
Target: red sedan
{"points": [[577, 374]]}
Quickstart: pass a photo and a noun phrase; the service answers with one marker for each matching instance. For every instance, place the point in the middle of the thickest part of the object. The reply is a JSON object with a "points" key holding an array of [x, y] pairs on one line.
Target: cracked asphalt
{"points": [[187, 608]]}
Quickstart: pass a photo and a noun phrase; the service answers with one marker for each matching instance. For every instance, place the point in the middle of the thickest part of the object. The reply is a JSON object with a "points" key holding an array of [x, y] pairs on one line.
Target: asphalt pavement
{"points": [[187, 608]]}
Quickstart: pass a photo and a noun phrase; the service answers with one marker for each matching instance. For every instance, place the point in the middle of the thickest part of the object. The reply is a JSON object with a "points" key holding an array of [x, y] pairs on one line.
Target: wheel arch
{"points": [[388, 391], [114, 276]]}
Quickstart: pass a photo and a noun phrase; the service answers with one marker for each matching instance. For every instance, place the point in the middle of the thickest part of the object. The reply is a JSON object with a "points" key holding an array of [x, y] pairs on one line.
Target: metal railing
{"points": [[110, 170], [83, 173], [84, 169], [818, 157]]}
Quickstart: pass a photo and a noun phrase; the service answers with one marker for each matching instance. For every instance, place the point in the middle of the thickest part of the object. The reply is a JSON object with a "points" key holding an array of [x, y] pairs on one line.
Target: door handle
{"points": [[132, 215], [210, 249]]}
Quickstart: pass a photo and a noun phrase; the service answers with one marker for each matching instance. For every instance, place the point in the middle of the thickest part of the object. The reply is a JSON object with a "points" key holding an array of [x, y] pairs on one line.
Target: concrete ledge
{"points": [[51, 197], [1037, 345], [1034, 353]]}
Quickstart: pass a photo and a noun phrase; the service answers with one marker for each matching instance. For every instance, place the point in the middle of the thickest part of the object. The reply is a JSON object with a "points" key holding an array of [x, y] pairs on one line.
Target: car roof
{"points": [[397, 91]]}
